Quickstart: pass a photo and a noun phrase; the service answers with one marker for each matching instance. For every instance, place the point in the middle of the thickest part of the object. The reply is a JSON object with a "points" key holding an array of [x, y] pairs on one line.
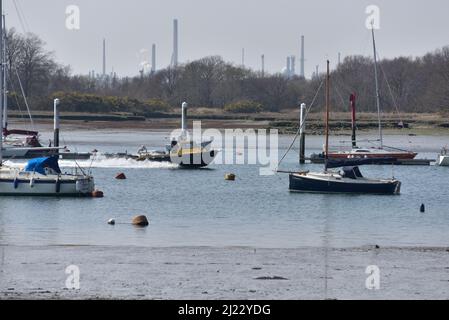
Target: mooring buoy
{"points": [[140, 221], [423, 208], [111, 222], [120, 176], [230, 177], [97, 194]]}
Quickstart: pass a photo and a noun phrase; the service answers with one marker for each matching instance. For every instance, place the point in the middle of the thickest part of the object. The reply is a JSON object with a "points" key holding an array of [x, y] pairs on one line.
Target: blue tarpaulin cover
{"points": [[39, 164]]}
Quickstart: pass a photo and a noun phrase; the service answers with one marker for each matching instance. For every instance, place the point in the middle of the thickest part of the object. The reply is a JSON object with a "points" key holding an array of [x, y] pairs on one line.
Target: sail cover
{"points": [[39, 164]]}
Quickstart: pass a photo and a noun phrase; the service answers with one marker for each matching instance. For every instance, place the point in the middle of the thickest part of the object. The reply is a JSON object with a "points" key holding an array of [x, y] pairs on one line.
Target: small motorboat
{"points": [[182, 150]]}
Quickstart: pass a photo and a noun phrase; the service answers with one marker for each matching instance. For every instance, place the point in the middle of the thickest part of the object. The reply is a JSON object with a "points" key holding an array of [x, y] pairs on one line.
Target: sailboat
{"points": [[350, 180], [374, 152], [18, 143], [41, 177]]}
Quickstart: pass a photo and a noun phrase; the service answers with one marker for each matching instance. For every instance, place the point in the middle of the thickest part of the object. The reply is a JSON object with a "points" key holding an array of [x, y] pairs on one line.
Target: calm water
{"points": [[199, 208]]}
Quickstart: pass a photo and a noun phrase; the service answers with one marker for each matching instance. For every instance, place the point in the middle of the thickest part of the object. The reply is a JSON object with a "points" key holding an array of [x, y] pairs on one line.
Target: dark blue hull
{"points": [[306, 184]]}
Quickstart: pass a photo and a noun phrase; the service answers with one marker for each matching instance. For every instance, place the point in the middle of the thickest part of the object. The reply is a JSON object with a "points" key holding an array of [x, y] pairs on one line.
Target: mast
{"points": [[327, 116], [5, 76], [353, 122], [377, 90], [1, 83]]}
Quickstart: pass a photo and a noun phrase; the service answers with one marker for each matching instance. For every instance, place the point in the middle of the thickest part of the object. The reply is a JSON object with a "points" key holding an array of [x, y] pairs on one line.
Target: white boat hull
{"points": [[32, 184]]}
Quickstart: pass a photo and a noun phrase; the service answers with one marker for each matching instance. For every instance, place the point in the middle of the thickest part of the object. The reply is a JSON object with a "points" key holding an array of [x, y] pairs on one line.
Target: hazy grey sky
{"points": [[224, 27]]}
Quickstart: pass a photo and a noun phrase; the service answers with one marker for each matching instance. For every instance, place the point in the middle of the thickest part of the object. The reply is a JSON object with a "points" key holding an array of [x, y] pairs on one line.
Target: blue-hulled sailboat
{"points": [[349, 180]]}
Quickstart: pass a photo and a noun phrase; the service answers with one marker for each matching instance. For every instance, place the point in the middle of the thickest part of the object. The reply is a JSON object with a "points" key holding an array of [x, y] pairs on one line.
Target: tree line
{"points": [[406, 84]]}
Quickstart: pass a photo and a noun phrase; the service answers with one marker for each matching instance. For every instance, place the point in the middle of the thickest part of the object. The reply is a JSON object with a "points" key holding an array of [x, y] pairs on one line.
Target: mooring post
{"points": [[56, 123], [302, 134]]}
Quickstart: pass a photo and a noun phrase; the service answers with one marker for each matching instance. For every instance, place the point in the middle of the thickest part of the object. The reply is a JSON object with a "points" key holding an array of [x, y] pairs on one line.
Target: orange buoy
{"points": [[120, 176], [97, 194], [140, 221]]}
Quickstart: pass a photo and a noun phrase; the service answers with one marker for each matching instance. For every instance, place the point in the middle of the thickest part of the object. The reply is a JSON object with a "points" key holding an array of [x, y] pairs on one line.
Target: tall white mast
{"points": [[5, 76], [377, 90], [1, 84]]}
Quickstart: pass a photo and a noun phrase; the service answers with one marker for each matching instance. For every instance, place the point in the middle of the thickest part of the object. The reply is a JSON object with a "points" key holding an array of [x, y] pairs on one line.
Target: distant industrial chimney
{"points": [[243, 57], [263, 66], [153, 59], [175, 43], [302, 71], [104, 57], [288, 67], [292, 66]]}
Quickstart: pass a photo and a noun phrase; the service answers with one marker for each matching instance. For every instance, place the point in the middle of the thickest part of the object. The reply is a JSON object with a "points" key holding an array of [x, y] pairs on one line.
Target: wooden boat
{"points": [[349, 181]]}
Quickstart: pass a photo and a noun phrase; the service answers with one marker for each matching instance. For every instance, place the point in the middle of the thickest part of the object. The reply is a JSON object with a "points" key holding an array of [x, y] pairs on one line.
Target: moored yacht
{"points": [[350, 180]]}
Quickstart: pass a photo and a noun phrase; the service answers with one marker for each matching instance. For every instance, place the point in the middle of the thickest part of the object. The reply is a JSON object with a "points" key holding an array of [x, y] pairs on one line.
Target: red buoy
{"points": [[97, 194], [120, 176]]}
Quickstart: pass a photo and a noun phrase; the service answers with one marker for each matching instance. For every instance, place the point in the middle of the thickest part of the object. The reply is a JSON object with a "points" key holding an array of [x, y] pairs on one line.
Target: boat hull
{"points": [[305, 183], [194, 160], [391, 155], [46, 187]]}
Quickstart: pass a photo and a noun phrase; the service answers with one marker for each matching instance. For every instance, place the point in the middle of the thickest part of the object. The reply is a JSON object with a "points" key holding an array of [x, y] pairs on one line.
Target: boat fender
{"points": [[58, 185], [32, 183], [16, 183]]}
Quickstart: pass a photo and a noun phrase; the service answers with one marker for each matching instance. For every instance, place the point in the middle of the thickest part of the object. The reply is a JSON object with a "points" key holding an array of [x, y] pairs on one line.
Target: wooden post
{"points": [[302, 134], [56, 123]]}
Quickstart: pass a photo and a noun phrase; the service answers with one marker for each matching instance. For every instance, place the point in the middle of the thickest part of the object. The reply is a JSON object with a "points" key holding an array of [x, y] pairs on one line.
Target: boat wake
{"points": [[101, 161]]}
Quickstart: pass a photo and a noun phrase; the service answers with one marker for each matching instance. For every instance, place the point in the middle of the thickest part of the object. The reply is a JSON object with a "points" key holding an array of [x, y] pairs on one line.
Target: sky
{"points": [[224, 27]]}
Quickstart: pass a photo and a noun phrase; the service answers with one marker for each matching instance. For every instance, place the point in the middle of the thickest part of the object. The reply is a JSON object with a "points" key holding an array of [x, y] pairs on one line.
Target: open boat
{"points": [[350, 180]]}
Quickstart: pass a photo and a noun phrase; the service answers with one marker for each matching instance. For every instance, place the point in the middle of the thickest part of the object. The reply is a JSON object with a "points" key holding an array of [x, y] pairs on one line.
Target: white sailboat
{"points": [[42, 176], [381, 151], [18, 143]]}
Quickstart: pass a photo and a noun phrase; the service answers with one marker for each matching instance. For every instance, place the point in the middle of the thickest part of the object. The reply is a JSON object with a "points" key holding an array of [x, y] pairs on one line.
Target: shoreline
{"points": [[286, 128], [205, 273]]}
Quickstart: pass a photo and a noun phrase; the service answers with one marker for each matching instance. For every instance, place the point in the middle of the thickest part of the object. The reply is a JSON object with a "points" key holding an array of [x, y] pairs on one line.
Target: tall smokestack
{"points": [[292, 66], [104, 57], [288, 67], [302, 71], [153, 59], [243, 57], [175, 43], [263, 66]]}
